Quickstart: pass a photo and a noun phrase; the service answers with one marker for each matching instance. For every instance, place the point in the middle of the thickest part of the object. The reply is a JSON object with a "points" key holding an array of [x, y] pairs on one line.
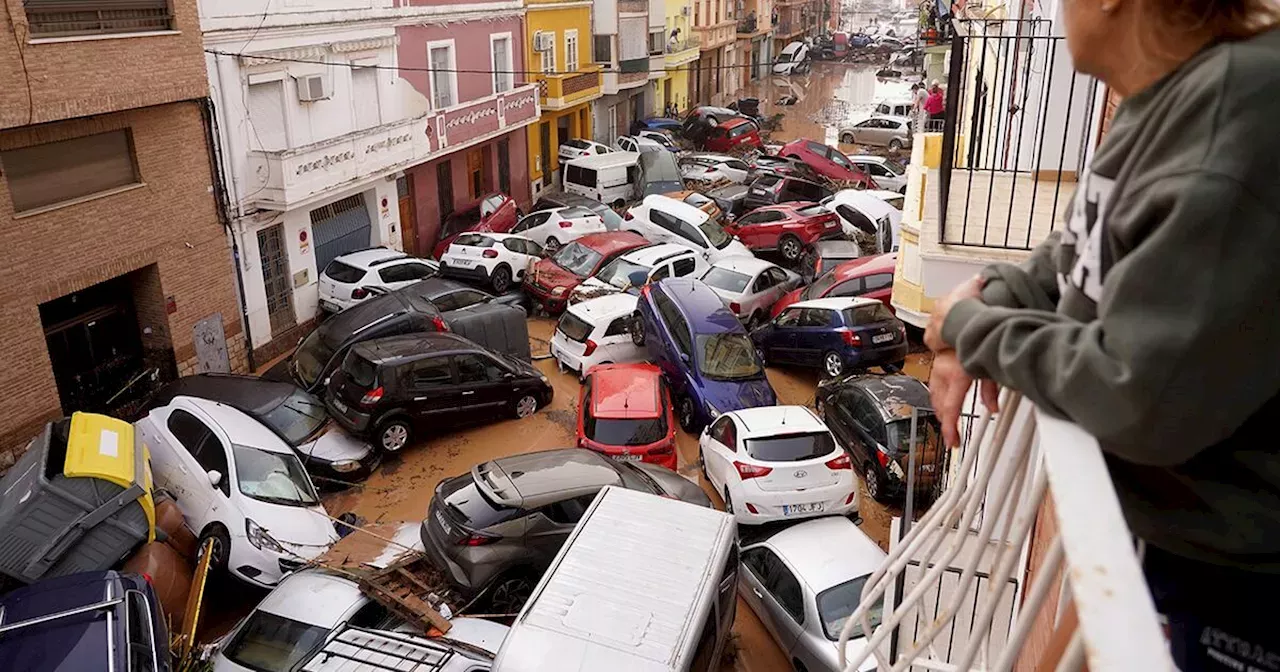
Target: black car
{"points": [[390, 388], [871, 417], [766, 164], [771, 189], [825, 255], [295, 415], [560, 199]]}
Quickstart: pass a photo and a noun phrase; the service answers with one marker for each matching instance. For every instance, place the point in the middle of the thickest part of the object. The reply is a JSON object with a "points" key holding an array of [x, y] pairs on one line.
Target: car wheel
{"points": [[895, 145], [847, 138], [790, 248], [501, 279], [637, 330], [832, 364], [552, 245], [687, 416], [894, 367], [394, 434], [526, 406], [220, 552], [754, 321], [510, 593], [872, 480]]}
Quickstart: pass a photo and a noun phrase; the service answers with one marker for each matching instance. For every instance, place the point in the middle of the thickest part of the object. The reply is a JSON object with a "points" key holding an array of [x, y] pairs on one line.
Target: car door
{"points": [[864, 132], [775, 595], [783, 340], [758, 294], [182, 473], [531, 227], [548, 527], [839, 419], [719, 450], [403, 274], [777, 287], [616, 342], [433, 395], [483, 387], [811, 341]]}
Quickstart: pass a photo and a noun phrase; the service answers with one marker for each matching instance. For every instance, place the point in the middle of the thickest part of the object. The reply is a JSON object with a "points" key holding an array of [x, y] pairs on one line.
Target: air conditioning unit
{"points": [[313, 87], [544, 41]]}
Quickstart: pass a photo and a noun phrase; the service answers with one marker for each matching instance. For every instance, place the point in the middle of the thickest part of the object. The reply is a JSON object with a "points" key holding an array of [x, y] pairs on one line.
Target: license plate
{"points": [[462, 262], [812, 507], [337, 403], [627, 458], [882, 338], [331, 307]]}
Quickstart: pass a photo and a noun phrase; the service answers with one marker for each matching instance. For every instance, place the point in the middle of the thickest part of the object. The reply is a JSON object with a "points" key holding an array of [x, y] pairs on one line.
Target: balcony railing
{"points": [[59, 18], [677, 46], [748, 25], [955, 597]]}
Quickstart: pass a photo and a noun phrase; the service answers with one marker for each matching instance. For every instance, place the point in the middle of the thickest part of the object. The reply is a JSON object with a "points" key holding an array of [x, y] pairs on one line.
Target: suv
{"points": [[350, 278], [732, 134], [88, 621], [390, 388], [497, 528], [827, 161], [774, 189], [836, 334]]}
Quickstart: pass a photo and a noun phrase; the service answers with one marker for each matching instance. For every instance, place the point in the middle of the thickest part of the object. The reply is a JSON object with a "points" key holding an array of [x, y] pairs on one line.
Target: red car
{"points": [[871, 277], [624, 412], [733, 133], [496, 213], [788, 228], [552, 280], [827, 161]]}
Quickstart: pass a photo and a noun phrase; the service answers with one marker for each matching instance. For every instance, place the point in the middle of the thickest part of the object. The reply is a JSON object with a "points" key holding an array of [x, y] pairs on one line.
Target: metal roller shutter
{"points": [[339, 228]]}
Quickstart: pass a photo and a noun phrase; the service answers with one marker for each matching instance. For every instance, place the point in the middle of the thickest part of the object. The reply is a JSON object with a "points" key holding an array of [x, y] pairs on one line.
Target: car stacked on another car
{"points": [[667, 220], [782, 165], [888, 174], [633, 270], [596, 331], [788, 228], [865, 211], [733, 134], [871, 277], [827, 161], [698, 200], [712, 168], [577, 148], [354, 277], [825, 255], [552, 228], [772, 189], [495, 212], [835, 335], [624, 412], [564, 199], [495, 259], [552, 280], [749, 286]]}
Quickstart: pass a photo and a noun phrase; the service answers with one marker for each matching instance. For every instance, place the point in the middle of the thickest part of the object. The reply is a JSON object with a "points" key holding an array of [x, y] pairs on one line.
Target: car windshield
{"points": [[715, 233], [298, 418], [343, 272], [577, 259], [624, 432], [836, 605], [270, 643], [819, 286], [621, 272], [791, 447], [312, 355], [728, 357], [785, 56], [573, 327], [276, 478], [729, 281]]}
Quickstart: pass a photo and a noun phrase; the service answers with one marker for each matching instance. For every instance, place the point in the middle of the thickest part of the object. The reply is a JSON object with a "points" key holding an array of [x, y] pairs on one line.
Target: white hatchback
{"points": [[749, 287], [777, 463], [887, 173], [576, 148], [495, 259], [663, 219], [238, 484], [354, 277], [557, 226], [639, 267], [596, 332], [714, 168]]}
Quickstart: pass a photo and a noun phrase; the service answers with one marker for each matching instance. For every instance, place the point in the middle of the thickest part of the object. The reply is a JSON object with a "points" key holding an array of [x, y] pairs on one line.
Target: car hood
{"points": [[306, 531], [674, 484], [335, 445], [733, 395], [550, 274], [735, 248]]}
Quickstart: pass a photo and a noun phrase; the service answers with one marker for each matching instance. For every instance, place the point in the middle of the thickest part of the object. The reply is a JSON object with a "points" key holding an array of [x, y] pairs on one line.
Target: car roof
{"points": [[626, 391], [701, 306], [775, 420], [792, 46], [530, 480], [371, 257], [433, 287], [744, 264], [890, 117], [877, 263], [611, 242], [495, 236], [569, 211], [607, 160], [837, 247], [314, 597], [607, 307], [650, 255], [896, 393], [736, 121], [240, 391], [836, 302], [389, 349], [827, 551], [859, 199], [239, 426], [678, 208]]}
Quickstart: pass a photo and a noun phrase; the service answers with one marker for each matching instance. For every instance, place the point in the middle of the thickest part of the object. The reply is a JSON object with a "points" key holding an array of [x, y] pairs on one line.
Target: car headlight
{"points": [[713, 411], [345, 466], [557, 291], [259, 537]]}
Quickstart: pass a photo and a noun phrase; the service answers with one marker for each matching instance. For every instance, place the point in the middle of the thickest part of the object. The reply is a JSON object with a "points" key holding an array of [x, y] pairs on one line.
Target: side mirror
{"points": [[215, 477]]}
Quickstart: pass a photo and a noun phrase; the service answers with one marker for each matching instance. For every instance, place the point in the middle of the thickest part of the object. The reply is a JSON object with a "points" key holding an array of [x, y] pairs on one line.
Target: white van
{"points": [[608, 178], [644, 584]]}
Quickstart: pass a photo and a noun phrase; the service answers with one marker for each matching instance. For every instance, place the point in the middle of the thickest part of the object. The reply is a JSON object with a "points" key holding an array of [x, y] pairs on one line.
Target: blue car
{"points": [[84, 622], [702, 350], [660, 124], [835, 334]]}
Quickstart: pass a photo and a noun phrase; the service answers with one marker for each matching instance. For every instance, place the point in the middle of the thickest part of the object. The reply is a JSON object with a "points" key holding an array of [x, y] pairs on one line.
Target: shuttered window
{"points": [[54, 18], [68, 169]]}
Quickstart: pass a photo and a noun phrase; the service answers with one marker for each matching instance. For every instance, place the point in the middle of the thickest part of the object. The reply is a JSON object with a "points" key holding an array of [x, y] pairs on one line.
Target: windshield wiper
{"points": [[282, 501]]}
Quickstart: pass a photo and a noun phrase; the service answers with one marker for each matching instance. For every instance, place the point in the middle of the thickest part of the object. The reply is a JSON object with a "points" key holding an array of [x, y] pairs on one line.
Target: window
{"points": [[266, 115], [61, 171], [877, 281], [190, 432], [815, 317], [619, 327], [549, 56], [602, 48], [477, 369], [405, 272], [571, 50], [364, 95], [500, 50], [371, 615], [585, 177], [726, 433], [790, 447], [444, 81], [776, 579], [569, 511], [765, 281], [460, 299], [139, 627], [434, 372], [790, 317], [655, 42], [270, 642], [530, 221], [57, 18], [683, 267]]}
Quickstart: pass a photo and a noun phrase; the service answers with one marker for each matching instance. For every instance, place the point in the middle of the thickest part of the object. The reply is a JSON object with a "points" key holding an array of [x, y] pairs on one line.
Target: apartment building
{"points": [[681, 51], [754, 41], [797, 20], [717, 76], [629, 45], [117, 272]]}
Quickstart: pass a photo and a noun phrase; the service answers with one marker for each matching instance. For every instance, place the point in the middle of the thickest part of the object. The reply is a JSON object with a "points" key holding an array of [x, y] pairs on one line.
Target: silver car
{"points": [[749, 286], [880, 130], [804, 582]]}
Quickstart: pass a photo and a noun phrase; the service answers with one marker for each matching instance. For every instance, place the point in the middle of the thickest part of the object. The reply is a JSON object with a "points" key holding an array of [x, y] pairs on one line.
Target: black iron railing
{"points": [[1018, 122]]}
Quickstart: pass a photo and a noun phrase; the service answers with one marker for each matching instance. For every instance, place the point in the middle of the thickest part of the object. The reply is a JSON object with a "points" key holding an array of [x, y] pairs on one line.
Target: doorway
{"points": [[666, 94], [95, 345], [544, 139], [275, 277], [444, 188], [475, 173], [408, 228]]}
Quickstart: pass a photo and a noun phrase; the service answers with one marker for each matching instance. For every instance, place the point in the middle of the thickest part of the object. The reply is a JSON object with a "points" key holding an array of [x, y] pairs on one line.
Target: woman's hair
{"points": [[1223, 19]]}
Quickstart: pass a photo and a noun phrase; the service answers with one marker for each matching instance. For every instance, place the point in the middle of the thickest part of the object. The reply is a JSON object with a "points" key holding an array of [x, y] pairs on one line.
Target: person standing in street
{"points": [[1152, 318]]}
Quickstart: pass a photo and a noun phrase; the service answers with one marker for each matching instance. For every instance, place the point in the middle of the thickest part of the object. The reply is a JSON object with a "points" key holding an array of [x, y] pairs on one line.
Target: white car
{"points": [[794, 58], [666, 220], [309, 608], [777, 463], [640, 267], [596, 332], [863, 211], [749, 286], [239, 484], [557, 226], [660, 138], [495, 259], [577, 147], [714, 168], [639, 144], [888, 174], [351, 278]]}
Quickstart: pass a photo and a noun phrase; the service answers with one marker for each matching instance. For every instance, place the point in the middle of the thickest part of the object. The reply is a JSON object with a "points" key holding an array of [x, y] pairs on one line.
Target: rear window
{"points": [[466, 503], [578, 144], [270, 642], [624, 432], [813, 211], [867, 314], [359, 370], [790, 447], [473, 240], [575, 212], [741, 129], [768, 182], [723, 278], [574, 328], [836, 605], [343, 272]]}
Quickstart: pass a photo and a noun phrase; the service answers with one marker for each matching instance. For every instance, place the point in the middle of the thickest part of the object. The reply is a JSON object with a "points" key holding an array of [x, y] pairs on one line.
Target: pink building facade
{"points": [[477, 129]]}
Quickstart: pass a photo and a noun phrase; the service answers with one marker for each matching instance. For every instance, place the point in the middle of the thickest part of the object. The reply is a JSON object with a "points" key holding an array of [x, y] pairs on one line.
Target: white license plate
{"points": [[337, 403], [882, 338], [812, 507], [462, 262], [331, 307], [627, 458]]}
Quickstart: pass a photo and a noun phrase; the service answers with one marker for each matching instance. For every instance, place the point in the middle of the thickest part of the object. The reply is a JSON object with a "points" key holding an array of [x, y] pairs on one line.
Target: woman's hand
{"points": [[969, 289], [948, 386]]}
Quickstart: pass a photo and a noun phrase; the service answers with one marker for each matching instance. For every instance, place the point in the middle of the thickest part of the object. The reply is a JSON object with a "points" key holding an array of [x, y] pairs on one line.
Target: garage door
{"points": [[339, 228]]}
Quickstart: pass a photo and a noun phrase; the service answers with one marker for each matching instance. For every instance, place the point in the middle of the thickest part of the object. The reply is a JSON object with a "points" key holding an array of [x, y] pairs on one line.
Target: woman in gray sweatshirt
{"points": [[1152, 318]]}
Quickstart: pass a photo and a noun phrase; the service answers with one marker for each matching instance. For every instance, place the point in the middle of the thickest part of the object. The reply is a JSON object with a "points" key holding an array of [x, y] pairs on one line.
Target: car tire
{"points": [[761, 354], [393, 434], [871, 479], [895, 145], [832, 364], [798, 666], [221, 552], [894, 367], [790, 248], [525, 406], [847, 138], [500, 281], [637, 330], [687, 415], [510, 591]]}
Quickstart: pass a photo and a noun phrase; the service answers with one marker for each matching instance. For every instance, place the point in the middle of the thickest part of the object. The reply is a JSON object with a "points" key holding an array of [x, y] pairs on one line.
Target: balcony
{"points": [[635, 74], [562, 91], [716, 35], [682, 52], [1028, 491], [748, 26]]}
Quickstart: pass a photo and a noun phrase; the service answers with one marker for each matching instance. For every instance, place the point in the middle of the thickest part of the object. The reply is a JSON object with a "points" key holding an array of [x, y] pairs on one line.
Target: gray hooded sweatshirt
{"points": [[1152, 318]]}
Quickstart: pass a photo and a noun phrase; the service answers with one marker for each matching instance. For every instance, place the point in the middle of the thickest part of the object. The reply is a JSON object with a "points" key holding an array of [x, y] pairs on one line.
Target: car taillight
{"points": [[359, 293], [735, 308], [566, 225], [627, 216], [439, 323], [851, 338], [477, 539], [842, 462], [591, 347], [371, 397], [749, 471], [490, 254], [752, 508], [849, 500], [882, 457]]}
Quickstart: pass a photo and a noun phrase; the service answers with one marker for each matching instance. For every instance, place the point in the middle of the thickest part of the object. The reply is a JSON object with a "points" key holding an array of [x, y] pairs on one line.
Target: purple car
{"points": [[702, 349]]}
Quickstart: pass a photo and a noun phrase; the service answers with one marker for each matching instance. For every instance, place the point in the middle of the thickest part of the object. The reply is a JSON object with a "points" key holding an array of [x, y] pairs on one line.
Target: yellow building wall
{"points": [[579, 127], [680, 87], [557, 20]]}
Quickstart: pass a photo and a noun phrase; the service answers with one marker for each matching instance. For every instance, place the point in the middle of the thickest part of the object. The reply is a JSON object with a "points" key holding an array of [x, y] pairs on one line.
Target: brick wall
{"points": [[168, 222]]}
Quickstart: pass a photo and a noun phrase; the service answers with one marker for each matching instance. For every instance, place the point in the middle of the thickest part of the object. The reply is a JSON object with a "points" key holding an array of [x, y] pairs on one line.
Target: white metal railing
{"points": [[985, 517]]}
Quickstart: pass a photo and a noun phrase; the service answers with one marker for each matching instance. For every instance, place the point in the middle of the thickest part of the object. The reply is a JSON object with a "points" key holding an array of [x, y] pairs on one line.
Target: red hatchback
{"points": [[732, 133], [624, 412], [871, 277], [496, 213], [552, 280], [787, 228], [827, 161]]}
